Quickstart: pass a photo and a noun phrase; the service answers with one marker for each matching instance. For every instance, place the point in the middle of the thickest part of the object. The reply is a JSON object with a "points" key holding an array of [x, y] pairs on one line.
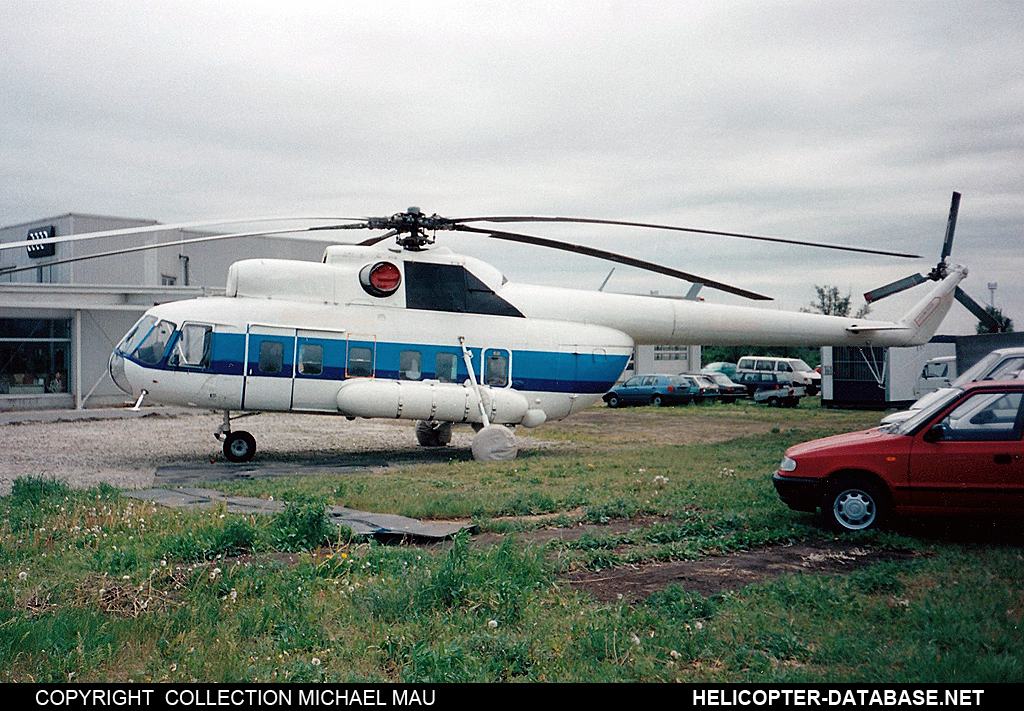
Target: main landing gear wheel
{"points": [[239, 446], [433, 434], [495, 443]]}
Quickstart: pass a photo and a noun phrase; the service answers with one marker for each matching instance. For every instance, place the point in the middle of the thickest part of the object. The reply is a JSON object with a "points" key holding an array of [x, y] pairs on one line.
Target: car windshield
{"points": [[990, 368], [800, 366], [911, 424]]}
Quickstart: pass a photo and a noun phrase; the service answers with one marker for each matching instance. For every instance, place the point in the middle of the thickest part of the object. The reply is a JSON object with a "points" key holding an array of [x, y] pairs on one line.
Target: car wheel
{"points": [[656, 401], [854, 506], [613, 401]]}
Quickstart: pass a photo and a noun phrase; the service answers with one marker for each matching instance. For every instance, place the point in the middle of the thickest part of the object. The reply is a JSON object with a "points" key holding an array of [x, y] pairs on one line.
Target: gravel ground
{"points": [[86, 449]]}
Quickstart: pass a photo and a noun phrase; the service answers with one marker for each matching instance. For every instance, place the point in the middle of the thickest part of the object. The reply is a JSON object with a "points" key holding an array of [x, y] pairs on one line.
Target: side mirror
{"points": [[935, 434]]}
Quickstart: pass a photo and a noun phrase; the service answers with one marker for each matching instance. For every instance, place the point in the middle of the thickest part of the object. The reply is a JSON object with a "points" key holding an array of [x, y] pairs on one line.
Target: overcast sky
{"points": [[844, 122]]}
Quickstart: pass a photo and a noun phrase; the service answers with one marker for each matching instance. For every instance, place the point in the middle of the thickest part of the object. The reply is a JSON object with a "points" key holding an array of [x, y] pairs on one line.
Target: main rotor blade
{"points": [[613, 257], [379, 238], [760, 238], [143, 229], [894, 287], [172, 243], [947, 243], [978, 310]]}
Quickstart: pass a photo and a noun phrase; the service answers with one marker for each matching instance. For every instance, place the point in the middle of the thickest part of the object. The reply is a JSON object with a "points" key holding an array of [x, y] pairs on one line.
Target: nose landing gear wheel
{"points": [[239, 446]]}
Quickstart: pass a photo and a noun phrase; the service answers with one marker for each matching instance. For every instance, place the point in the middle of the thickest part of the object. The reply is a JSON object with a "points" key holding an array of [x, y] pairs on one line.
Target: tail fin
{"points": [[924, 319]]}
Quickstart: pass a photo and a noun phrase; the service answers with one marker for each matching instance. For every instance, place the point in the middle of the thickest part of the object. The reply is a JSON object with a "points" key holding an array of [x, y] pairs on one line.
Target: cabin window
{"points": [[360, 362], [271, 357], [447, 367], [496, 369], [311, 359], [410, 365], [193, 348]]}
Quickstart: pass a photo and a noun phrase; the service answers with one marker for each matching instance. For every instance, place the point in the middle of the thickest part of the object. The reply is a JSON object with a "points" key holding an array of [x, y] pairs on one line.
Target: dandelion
{"points": [[660, 480], [22, 575], [315, 661], [493, 624], [675, 655], [214, 573]]}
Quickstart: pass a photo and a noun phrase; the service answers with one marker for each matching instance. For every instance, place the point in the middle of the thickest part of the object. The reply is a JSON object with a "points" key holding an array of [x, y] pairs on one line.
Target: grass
{"points": [[103, 588]]}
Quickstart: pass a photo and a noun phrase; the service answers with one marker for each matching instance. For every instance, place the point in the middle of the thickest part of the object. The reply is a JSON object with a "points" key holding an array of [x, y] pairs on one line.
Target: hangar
{"points": [[60, 321]]}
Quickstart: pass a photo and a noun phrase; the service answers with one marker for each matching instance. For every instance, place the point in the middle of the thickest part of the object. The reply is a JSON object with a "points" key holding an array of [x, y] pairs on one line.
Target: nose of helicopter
{"points": [[117, 372]]}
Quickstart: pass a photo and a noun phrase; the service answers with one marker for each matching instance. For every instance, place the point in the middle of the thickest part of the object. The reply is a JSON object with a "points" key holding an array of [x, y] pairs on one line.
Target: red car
{"points": [[962, 454]]}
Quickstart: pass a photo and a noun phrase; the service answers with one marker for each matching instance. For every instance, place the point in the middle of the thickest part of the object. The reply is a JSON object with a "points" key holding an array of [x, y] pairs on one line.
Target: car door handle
{"points": [[1005, 458]]}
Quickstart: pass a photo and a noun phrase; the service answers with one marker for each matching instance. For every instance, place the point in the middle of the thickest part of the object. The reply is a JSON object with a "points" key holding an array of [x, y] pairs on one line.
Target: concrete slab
{"points": [[361, 523]]}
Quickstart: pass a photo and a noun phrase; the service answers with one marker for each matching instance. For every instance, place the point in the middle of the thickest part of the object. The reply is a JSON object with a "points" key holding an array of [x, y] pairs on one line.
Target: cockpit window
{"points": [[134, 337], [193, 347], [154, 342]]}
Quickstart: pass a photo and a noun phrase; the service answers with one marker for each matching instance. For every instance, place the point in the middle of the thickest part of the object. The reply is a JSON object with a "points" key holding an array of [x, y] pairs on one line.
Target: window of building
{"points": [[34, 355]]}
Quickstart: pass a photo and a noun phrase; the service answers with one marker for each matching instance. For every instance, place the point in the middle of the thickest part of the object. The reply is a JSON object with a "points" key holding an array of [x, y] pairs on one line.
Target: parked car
{"points": [[706, 387], [775, 389], [801, 373], [1000, 364], [720, 367], [650, 390], [963, 453], [728, 390]]}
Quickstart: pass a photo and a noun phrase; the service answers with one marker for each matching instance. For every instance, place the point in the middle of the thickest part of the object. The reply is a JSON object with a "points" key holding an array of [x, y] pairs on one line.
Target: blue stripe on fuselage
{"points": [[539, 371]]}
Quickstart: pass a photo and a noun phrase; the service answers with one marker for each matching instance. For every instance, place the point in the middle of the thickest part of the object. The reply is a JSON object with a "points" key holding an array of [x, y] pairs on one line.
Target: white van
{"points": [[936, 373], [802, 373]]}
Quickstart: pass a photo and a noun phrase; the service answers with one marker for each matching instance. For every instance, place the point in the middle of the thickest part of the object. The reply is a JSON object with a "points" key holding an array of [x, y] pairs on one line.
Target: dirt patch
{"points": [[707, 576], [716, 574]]}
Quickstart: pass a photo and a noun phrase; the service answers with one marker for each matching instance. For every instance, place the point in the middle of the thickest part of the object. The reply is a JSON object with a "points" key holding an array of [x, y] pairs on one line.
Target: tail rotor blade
{"points": [[895, 287], [978, 310], [954, 209]]}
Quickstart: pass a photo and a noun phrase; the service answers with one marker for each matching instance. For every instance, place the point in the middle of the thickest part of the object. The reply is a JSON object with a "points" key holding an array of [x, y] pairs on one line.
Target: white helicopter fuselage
{"points": [[431, 335]]}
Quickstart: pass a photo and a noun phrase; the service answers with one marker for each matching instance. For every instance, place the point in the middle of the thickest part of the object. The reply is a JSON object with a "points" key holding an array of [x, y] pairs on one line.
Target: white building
{"points": [[60, 321]]}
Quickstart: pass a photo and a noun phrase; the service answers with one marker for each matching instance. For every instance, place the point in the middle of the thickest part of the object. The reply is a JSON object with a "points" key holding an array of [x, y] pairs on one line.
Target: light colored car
{"points": [[1000, 364], [801, 373]]}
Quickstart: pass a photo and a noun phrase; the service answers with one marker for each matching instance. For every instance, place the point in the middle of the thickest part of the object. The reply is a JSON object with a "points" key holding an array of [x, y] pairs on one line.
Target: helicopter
{"points": [[415, 331]]}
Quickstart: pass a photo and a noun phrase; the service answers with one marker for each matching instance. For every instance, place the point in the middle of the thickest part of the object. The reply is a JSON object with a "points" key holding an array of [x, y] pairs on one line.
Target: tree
{"points": [[830, 302], [1005, 322]]}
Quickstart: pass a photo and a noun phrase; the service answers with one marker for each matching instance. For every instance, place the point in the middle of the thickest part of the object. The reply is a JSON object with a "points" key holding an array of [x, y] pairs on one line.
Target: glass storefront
{"points": [[34, 355]]}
